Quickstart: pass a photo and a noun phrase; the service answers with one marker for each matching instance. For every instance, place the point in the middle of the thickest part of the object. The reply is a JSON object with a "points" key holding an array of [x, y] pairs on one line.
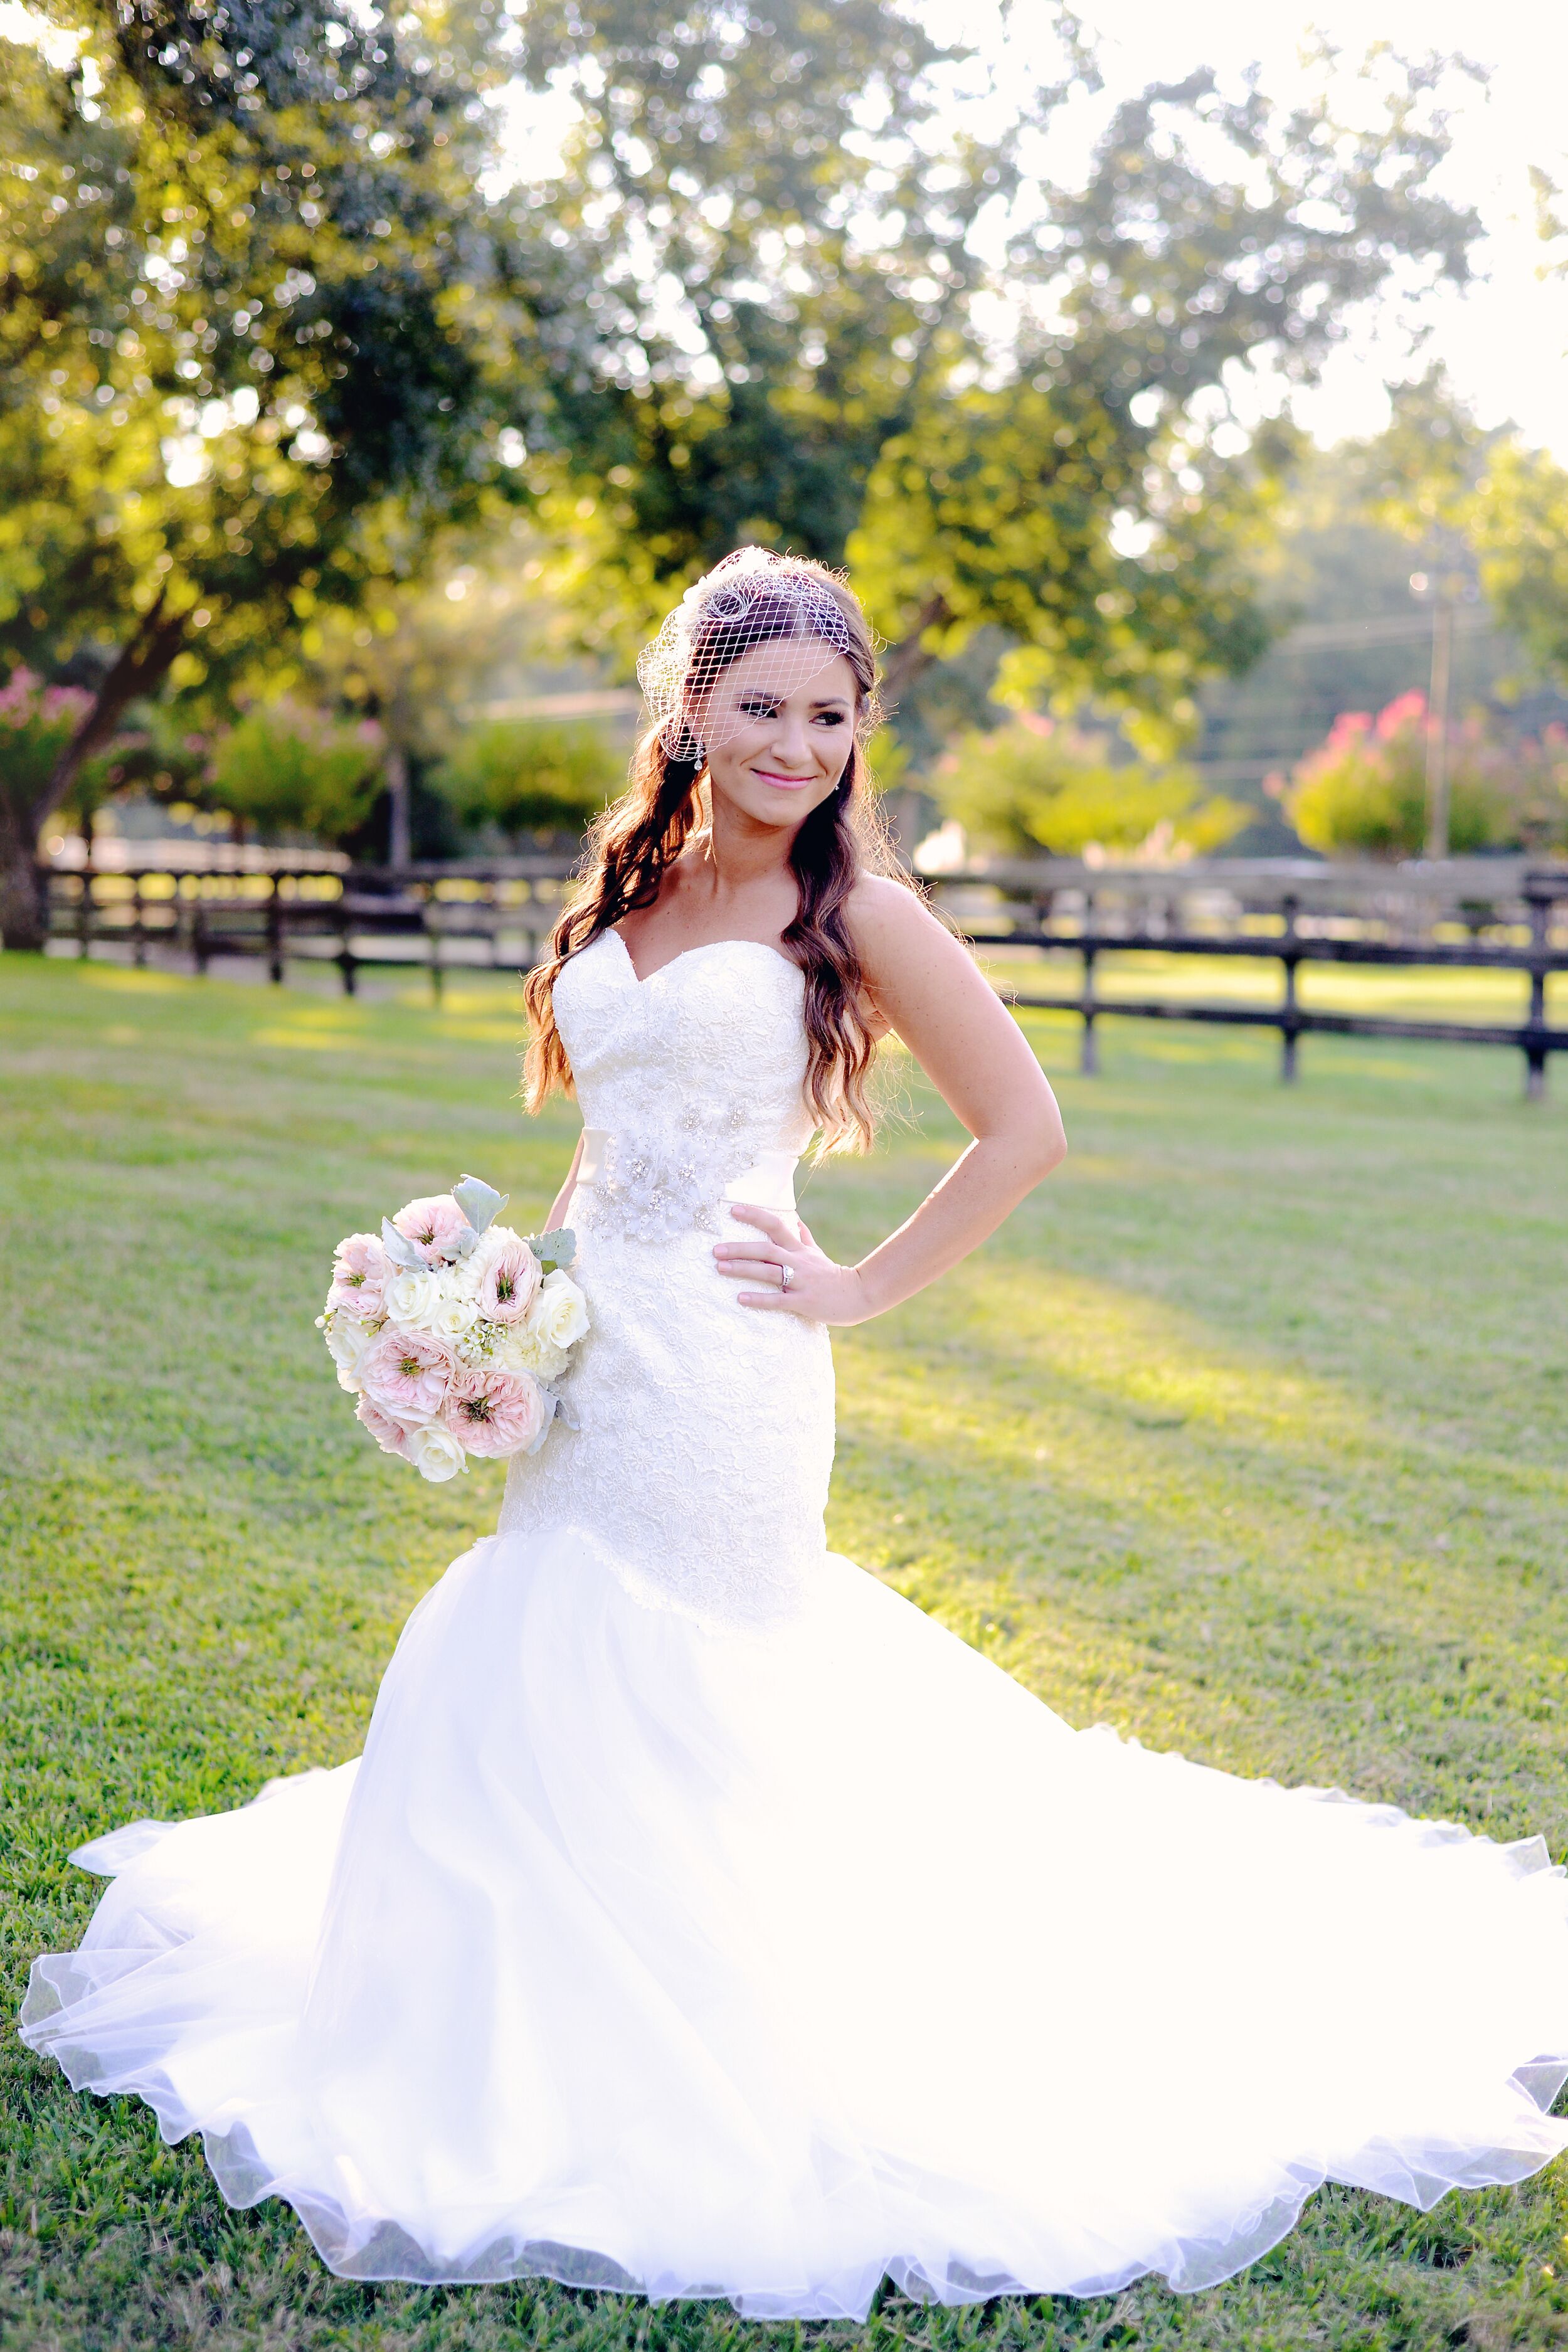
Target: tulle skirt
{"points": [[638, 1955]]}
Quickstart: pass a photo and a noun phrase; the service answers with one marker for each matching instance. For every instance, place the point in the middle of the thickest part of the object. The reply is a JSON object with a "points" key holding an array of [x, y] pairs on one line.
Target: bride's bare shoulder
{"points": [[889, 921]]}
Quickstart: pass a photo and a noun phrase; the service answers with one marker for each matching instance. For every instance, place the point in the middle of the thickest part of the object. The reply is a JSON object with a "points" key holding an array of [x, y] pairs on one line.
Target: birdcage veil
{"points": [[753, 599]]}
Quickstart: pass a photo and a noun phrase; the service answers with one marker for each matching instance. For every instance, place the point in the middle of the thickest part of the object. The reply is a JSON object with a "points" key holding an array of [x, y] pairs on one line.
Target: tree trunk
{"points": [[24, 909], [400, 835], [910, 656], [142, 665], [138, 666]]}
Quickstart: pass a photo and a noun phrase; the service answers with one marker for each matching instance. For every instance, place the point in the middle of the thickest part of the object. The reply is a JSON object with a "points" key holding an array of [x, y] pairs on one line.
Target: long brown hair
{"points": [[640, 836]]}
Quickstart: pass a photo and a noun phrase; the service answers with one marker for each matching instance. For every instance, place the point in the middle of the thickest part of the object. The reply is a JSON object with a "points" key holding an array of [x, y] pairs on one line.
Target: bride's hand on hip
{"points": [[796, 1278]]}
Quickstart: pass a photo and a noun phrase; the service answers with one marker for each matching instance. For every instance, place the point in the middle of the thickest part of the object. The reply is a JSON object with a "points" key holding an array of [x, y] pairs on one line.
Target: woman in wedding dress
{"points": [[702, 1919]]}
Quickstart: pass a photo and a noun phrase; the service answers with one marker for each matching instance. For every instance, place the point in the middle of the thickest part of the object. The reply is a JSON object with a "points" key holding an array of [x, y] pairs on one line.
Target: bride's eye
{"points": [[758, 706]]}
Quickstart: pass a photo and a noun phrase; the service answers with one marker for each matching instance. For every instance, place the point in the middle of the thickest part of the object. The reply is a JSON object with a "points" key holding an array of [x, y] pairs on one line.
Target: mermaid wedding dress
{"points": [[702, 1919]]}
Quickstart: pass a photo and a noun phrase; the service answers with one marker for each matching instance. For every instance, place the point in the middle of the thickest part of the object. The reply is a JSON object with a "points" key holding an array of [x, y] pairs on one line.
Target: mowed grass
{"points": [[1249, 1434]]}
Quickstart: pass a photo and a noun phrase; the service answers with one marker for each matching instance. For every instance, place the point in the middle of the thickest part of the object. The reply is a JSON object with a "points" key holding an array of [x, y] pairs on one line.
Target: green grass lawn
{"points": [[1249, 1436]]}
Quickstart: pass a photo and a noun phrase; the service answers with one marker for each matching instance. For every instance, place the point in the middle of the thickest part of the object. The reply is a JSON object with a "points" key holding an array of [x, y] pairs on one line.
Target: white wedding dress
{"points": [[702, 1919]]}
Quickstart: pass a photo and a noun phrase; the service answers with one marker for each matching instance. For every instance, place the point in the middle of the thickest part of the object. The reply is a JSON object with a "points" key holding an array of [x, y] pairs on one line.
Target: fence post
{"points": [[201, 946], [1088, 1051], [138, 924], [346, 951], [84, 911], [433, 934], [1288, 1030], [275, 935], [1540, 905]]}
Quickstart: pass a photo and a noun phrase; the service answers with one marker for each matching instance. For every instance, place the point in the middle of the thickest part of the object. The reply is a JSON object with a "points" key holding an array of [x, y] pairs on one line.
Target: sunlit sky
{"points": [[1505, 340]]}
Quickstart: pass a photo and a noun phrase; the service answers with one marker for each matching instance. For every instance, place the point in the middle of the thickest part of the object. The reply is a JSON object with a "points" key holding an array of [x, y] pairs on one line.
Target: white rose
{"points": [[412, 1298], [350, 1342], [519, 1350], [559, 1313], [455, 1315], [434, 1451]]}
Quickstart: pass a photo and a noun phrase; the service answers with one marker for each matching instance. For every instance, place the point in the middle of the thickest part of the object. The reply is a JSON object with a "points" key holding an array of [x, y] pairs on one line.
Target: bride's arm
{"points": [[929, 991], [560, 1207]]}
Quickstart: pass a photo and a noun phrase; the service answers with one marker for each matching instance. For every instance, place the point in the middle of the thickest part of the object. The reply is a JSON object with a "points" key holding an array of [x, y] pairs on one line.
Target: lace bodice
{"points": [[700, 1461], [712, 1044]]}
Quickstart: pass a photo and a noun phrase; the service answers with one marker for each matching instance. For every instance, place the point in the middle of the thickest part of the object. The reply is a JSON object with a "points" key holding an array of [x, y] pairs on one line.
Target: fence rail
{"points": [[496, 914], [1537, 958], [491, 915]]}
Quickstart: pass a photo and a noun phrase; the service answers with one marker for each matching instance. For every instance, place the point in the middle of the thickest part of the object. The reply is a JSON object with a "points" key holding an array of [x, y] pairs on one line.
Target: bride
{"points": [[701, 1919]]}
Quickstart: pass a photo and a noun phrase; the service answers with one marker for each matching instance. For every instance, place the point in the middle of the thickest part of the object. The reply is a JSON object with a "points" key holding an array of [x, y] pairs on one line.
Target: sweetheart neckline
{"points": [[703, 947]]}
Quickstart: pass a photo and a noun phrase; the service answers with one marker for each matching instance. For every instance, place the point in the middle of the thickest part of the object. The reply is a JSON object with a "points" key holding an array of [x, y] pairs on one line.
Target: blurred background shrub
{"points": [[1042, 786], [520, 778], [286, 767], [1364, 791]]}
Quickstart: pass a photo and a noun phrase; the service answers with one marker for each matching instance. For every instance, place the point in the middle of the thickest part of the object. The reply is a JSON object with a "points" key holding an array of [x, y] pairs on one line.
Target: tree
{"points": [[1037, 785], [1478, 504], [260, 343], [290, 768], [788, 346], [522, 775]]}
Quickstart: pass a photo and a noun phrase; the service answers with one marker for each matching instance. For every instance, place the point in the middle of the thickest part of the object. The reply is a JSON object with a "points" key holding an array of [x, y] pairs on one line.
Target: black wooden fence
{"points": [[491, 914], [1480, 915]]}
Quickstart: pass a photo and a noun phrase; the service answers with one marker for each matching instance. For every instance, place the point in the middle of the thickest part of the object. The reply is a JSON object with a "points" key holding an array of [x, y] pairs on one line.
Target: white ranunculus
{"points": [[349, 1341], [559, 1313], [434, 1451], [412, 1298]]}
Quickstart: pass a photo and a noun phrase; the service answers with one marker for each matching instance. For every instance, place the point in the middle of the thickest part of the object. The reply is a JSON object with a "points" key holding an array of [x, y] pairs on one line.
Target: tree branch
{"points": [[910, 656], [139, 666]]}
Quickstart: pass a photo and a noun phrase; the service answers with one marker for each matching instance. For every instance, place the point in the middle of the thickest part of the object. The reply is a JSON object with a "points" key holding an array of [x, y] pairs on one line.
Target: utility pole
{"points": [[399, 846], [1438, 725], [1443, 590]]}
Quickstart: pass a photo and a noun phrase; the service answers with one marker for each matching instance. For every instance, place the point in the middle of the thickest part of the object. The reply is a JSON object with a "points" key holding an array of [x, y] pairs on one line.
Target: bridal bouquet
{"points": [[450, 1330]]}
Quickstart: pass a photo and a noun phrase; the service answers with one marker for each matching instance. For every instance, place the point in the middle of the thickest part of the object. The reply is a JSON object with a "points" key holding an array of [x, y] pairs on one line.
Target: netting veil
{"points": [[759, 627]]}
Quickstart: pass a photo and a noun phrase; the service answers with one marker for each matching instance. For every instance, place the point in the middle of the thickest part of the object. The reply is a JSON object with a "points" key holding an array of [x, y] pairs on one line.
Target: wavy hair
{"points": [[639, 838]]}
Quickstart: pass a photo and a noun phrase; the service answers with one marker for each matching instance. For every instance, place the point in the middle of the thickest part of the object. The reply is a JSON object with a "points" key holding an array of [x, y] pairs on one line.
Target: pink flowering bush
{"points": [[446, 1333], [1364, 788], [37, 723]]}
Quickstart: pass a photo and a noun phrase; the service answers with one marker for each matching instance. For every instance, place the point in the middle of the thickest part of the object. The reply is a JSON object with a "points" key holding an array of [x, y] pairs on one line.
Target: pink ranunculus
{"points": [[407, 1374], [494, 1413], [388, 1434], [428, 1224], [509, 1281], [359, 1271]]}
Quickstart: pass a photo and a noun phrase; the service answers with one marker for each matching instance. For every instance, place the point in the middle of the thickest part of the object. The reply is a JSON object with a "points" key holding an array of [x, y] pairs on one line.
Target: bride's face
{"points": [[778, 727]]}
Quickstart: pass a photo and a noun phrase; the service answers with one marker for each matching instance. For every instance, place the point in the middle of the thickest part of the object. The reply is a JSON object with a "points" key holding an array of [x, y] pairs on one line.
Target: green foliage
{"points": [[819, 389], [525, 775], [289, 768], [1221, 1440], [1364, 788], [1517, 519], [253, 354], [1478, 505], [1037, 785]]}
